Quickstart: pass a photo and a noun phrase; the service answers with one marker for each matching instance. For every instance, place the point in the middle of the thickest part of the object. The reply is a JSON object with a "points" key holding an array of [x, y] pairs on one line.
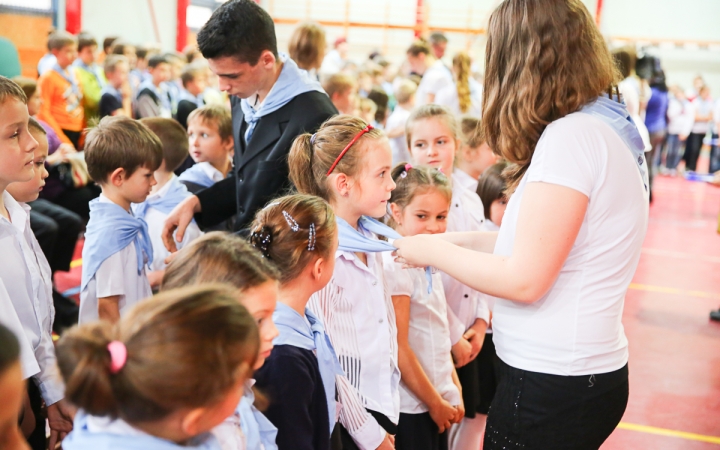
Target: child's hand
{"points": [[460, 412], [388, 443], [462, 350], [476, 338], [443, 414]]}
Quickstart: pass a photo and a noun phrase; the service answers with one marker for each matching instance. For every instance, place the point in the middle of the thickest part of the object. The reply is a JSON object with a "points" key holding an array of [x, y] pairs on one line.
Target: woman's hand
{"points": [[416, 251]]}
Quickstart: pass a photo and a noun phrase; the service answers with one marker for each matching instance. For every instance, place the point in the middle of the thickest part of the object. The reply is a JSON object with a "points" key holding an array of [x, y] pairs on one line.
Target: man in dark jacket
{"points": [[272, 103]]}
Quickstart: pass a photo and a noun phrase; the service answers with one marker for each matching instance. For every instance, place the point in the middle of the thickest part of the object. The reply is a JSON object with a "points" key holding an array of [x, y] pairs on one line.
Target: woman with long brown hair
{"points": [[571, 235]]}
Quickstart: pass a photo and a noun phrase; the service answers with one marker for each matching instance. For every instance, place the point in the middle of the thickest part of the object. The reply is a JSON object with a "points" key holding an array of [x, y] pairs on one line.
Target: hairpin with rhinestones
{"points": [[291, 222], [261, 240], [311, 237]]}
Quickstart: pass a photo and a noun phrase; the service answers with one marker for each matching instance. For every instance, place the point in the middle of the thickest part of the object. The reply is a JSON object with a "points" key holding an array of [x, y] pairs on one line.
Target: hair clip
{"points": [[311, 238], [261, 240], [312, 139], [403, 174], [270, 205], [408, 166], [118, 356], [291, 222]]}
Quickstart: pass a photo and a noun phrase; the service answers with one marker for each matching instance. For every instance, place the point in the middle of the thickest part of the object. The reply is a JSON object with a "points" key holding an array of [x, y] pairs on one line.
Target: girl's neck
{"points": [[296, 294], [346, 212], [223, 166], [468, 169]]}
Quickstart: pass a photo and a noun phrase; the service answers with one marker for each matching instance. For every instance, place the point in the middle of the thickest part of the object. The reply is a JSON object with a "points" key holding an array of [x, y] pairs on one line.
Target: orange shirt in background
{"points": [[61, 107]]}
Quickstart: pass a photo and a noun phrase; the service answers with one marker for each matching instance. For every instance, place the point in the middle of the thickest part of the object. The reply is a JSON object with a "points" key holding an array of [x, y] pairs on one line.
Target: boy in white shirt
{"points": [[166, 194], [121, 156], [24, 271], [405, 96], [211, 147]]}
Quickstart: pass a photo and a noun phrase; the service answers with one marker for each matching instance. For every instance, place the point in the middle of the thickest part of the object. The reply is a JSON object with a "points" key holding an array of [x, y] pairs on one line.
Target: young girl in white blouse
{"points": [[491, 190], [348, 163], [430, 399], [432, 133]]}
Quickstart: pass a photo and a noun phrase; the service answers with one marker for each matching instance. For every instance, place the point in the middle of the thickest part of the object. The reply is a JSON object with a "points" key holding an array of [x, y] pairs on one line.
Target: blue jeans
{"points": [[673, 145]]}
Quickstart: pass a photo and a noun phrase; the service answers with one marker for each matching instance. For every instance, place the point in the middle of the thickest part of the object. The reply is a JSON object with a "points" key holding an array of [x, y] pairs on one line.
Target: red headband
{"points": [[347, 147]]}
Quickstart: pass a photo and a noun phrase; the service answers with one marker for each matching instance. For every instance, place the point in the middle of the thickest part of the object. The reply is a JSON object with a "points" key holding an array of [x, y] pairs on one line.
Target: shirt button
{"points": [[241, 210], [240, 178], [466, 296], [380, 321], [374, 283]]}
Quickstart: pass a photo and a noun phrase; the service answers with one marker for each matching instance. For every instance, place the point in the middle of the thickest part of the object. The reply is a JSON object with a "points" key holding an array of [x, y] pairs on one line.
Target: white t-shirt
{"points": [[448, 96], [399, 146], [155, 220], [576, 328], [436, 77], [117, 275], [428, 334]]}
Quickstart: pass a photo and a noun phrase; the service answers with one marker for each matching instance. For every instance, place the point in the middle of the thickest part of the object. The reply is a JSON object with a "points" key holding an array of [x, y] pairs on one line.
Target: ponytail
{"points": [[311, 156], [461, 67]]}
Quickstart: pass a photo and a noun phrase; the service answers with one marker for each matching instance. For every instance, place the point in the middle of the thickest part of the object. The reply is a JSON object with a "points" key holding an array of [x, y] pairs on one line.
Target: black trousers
{"points": [[78, 200], [534, 410], [693, 144], [419, 432], [57, 230]]}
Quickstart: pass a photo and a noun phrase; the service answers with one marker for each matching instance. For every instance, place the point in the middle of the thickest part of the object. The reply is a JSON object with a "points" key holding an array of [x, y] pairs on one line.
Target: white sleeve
{"points": [[570, 154], [398, 280], [360, 424], [48, 380], [482, 309], [455, 325], [109, 277], [9, 318]]}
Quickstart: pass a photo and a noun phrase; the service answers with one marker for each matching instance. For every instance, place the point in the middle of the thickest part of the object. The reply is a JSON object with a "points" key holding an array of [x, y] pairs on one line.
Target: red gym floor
{"points": [[674, 348]]}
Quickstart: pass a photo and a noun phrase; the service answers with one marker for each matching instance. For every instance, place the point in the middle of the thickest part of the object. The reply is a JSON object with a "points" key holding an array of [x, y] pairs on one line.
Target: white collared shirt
{"points": [[27, 278], [359, 318], [155, 220], [212, 173], [399, 145], [466, 214], [436, 77], [428, 332], [117, 275]]}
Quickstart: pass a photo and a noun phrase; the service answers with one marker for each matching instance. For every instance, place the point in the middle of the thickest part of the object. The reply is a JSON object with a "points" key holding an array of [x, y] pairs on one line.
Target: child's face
{"points": [[433, 144], [16, 143], [370, 189], [198, 85], [365, 82], [479, 158], [497, 211], [137, 186], [35, 102], [160, 73], [206, 145], [66, 55], [426, 214], [260, 302], [120, 75], [87, 54], [345, 101], [30, 190], [176, 68], [129, 53]]}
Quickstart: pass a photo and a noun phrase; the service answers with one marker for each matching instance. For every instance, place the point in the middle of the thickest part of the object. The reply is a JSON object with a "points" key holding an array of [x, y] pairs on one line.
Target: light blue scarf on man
{"points": [[352, 240], [295, 331], [109, 230], [615, 114], [292, 82]]}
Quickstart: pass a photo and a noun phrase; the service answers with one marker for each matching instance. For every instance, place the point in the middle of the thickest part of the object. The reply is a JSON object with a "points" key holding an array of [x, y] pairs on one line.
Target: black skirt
{"points": [[478, 380]]}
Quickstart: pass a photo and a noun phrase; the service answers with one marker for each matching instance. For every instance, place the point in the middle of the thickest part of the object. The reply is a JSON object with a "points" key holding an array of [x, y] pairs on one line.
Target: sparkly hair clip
{"points": [[311, 237], [291, 222], [312, 139], [261, 240], [404, 173]]}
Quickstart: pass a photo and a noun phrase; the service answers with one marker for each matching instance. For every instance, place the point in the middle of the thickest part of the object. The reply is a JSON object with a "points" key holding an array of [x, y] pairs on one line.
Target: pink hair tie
{"points": [[118, 356], [408, 166]]}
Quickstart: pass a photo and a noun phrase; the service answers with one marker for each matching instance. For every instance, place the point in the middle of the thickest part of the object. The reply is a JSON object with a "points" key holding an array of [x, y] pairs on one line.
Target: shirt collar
{"points": [[18, 214], [465, 180]]}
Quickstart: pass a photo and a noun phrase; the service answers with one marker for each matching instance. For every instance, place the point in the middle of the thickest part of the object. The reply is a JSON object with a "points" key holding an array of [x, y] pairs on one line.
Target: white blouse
{"points": [[360, 320], [428, 334]]}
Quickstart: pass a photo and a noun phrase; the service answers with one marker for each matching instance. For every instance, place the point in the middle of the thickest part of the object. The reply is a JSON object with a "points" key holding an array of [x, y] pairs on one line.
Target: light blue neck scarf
{"points": [[294, 330], [69, 77], [93, 69], [352, 240], [196, 175], [292, 82], [615, 114], [110, 230], [258, 430], [176, 193]]}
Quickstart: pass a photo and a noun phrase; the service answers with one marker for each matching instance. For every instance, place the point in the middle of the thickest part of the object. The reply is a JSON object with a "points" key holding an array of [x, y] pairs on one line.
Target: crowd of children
{"points": [[306, 335]]}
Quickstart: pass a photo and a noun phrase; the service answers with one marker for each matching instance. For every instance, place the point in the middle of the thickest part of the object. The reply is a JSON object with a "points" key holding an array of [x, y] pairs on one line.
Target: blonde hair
{"points": [[545, 59], [311, 156], [431, 111], [461, 68], [214, 114], [307, 45], [405, 90], [338, 84]]}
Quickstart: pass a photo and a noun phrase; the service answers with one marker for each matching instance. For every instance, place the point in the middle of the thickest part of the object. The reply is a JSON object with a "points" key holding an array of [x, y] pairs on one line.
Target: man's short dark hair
{"points": [[239, 29], [156, 60], [437, 37]]}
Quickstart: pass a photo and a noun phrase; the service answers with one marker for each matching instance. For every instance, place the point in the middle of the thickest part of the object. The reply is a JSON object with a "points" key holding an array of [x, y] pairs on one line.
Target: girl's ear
{"points": [[191, 423], [117, 176], [341, 183], [318, 268], [396, 213]]}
